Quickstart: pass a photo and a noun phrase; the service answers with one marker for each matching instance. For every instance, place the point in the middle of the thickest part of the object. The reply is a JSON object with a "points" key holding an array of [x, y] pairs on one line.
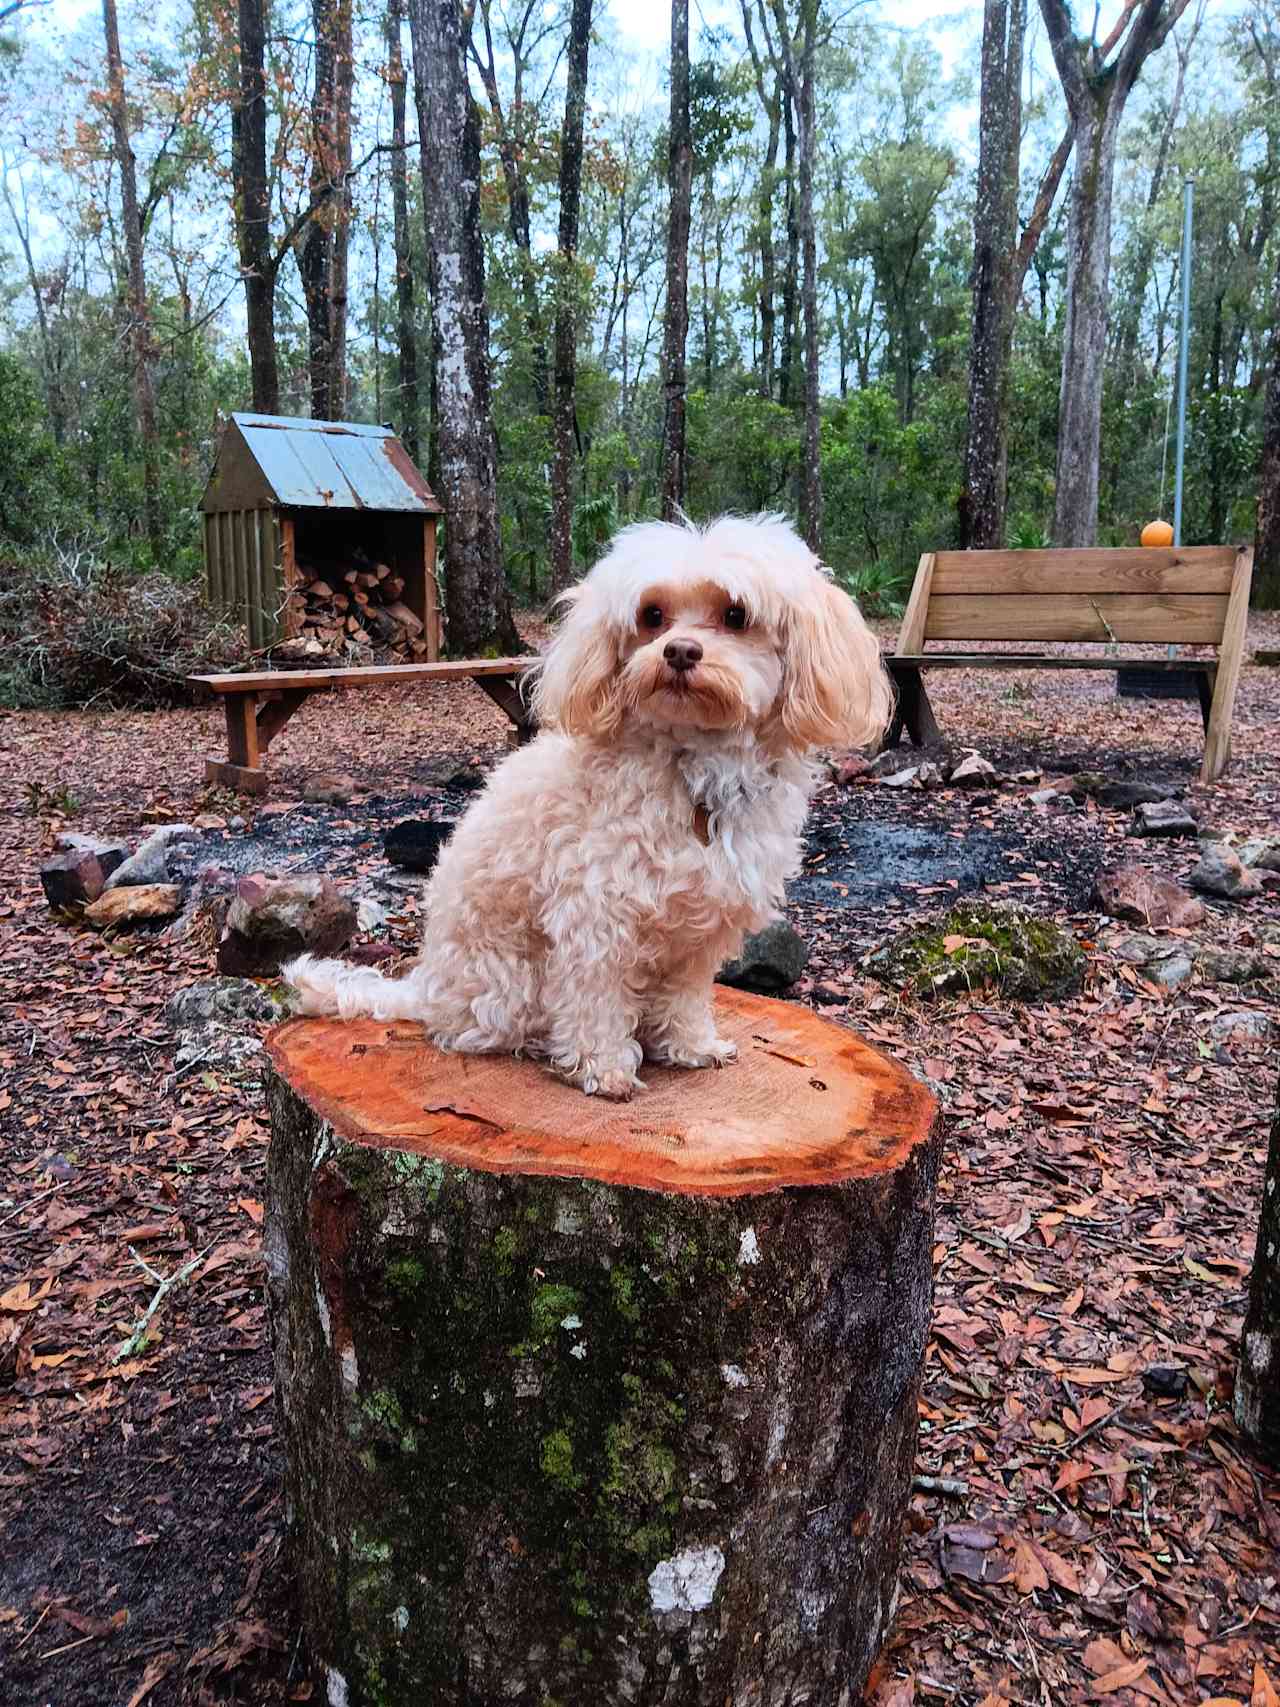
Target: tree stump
{"points": [[593, 1403]]}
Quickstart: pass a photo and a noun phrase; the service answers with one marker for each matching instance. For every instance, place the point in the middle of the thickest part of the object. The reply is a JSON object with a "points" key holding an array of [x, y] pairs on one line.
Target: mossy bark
{"points": [[556, 1441], [1258, 1374]]}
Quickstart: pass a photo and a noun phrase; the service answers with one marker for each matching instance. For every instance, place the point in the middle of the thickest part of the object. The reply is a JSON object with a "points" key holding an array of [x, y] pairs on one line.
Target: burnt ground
{"points": [[1096, 1218]]}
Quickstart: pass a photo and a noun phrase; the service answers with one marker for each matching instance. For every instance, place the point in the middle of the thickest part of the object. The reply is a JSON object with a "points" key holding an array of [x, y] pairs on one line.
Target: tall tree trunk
{"points": [[676, 329], [1075, 515], [995, 220], [139, 316], [322, 260], [477, 598], [566, 328], [1266, 567], [764, 199], [253, 205], [517, 187], [791, 266], [811, 473], [1096, 94], [409, 410]]}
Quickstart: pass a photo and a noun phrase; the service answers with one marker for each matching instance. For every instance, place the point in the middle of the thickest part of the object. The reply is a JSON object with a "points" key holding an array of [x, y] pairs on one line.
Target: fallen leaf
{"points": [[1123, 1677]]}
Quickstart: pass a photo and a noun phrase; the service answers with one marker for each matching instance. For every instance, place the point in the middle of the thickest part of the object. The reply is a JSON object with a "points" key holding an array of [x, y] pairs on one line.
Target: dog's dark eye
{"points": [[736, 616], [651, 616]]}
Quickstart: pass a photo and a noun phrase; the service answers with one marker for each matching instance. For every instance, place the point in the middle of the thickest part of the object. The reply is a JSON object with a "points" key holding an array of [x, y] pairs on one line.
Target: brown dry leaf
{"points": [[1123, 1677], [252, 1208], [1263, 1693], [894, 1692], [1028, 1573], [21, 1297]]}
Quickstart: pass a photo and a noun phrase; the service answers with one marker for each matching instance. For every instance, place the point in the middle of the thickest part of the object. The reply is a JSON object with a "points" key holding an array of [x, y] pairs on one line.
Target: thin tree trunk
{"points": [[1266, 563], [315, 254], [566, 327], [253, 206], [343, 83], [478, 599], [139, 316], [1096, 94], [764, 202], [791, 266], [48, 364], [676, 331], [995, 218], [811, 473], [406, 330]]}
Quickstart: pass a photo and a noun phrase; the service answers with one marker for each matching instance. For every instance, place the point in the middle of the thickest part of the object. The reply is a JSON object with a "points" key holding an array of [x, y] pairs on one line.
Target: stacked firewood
{"points": [[351, 611]]}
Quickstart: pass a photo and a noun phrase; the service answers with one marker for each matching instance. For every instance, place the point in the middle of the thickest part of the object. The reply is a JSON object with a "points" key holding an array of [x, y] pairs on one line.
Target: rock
{"points": [[415, 843], [1235, 966], [371, 915], [1026, 777], [333, 788], [448, 773], [929, 775], [973, 771], [909, 778], [1165, 1380], [371, 953], [1087, 784], [272, 919], [1162, 818], [72, 879], [978, 944], [136, 904], [110, 851], [771, 960], [220, 1001], [1221, 873], [1164, 964], [1260, 853], [152, 862], [1119, 794], [1044, 796], [1143, 898], [887, 762], [850, 767], [1240, 1022]]}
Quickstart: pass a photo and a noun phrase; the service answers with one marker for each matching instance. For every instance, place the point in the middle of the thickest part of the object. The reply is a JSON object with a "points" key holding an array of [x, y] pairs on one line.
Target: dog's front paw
{"points": [[718, 1053], [617, 1083]]}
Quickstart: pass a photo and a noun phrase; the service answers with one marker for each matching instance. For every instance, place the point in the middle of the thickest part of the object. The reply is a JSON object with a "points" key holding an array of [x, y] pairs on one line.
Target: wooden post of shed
{"points": [[597, 1403]]}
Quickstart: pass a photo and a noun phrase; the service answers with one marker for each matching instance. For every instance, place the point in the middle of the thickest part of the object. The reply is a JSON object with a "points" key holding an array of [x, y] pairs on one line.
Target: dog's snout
{"points": [[682, 654]]}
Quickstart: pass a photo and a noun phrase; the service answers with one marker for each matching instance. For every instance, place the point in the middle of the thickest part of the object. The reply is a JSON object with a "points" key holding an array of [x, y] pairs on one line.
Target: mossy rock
{"points": [[978, 945]]}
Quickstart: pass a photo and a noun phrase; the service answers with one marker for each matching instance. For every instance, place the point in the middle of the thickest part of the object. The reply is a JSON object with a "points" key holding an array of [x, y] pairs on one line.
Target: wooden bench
{"points": [[1188, 596], [259, 703]]}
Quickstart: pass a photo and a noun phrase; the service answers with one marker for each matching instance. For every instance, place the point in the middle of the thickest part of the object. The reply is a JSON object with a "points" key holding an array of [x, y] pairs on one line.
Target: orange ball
{"points": [[1157, 533]]}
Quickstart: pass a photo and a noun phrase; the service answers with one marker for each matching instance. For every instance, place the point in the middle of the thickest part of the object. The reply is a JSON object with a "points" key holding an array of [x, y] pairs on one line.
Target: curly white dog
{"points": [[587, 899]]}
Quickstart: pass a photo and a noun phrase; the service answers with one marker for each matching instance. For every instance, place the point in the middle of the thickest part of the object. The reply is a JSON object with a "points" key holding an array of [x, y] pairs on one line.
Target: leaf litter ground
{"points": [[1087, 1523]]}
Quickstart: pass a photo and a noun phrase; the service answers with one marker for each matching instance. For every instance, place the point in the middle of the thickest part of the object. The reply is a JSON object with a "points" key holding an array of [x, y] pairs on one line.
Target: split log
{"points": [[588, 1402], [1257, 1403], [405, 617]]}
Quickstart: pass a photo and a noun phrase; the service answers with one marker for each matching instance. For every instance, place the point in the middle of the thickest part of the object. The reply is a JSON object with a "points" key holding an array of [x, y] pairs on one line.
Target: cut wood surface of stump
{"points": [[589, 1402]]}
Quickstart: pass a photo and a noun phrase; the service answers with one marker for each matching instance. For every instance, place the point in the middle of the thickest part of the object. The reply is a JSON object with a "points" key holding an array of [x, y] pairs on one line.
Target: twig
{"points": [[67, 1646], [138, 1338], [31, 1632], [31, 1201], [949, 1485]]}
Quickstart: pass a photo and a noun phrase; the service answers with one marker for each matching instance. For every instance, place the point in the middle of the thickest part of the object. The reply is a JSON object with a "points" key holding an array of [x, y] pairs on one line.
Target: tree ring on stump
{"points": [[595, 1402]]}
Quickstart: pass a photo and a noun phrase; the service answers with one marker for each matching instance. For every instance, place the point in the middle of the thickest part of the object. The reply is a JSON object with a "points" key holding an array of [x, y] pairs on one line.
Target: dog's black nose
{"points": [[682, 654]]}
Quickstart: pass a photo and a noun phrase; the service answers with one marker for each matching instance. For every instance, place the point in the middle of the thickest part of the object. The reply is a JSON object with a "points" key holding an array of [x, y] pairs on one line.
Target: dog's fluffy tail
{"points": [[352, 992]]}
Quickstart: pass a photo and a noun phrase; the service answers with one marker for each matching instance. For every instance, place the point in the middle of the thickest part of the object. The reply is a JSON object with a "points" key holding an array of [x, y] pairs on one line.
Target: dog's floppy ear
{"points": [[575, 687], [835, 690]]}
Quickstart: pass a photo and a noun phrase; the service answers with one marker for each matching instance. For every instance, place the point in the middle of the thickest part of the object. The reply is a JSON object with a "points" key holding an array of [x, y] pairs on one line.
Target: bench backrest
{"points": [[1179, 595]]}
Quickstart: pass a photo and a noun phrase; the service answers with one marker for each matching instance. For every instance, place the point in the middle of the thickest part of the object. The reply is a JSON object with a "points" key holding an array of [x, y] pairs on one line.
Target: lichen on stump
{"points": [[597, 1403]]}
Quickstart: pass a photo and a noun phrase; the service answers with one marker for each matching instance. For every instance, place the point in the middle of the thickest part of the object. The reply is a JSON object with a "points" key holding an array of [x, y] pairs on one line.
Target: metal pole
{"points": [[1184, 338]]}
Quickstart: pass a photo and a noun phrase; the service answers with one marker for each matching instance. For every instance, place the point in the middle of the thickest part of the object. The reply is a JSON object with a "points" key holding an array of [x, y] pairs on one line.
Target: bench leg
{"points": [[243, 770], [914, 712], [504, 693], [277, 712], [1206, 681]]}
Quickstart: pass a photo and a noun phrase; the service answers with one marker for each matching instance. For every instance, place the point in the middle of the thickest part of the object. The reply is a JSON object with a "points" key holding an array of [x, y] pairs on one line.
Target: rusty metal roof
{"points": [[340, 465]]}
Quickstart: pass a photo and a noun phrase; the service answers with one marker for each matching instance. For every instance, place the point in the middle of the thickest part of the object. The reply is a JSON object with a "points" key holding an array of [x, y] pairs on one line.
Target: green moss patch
{"points": [[981, 946]]}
